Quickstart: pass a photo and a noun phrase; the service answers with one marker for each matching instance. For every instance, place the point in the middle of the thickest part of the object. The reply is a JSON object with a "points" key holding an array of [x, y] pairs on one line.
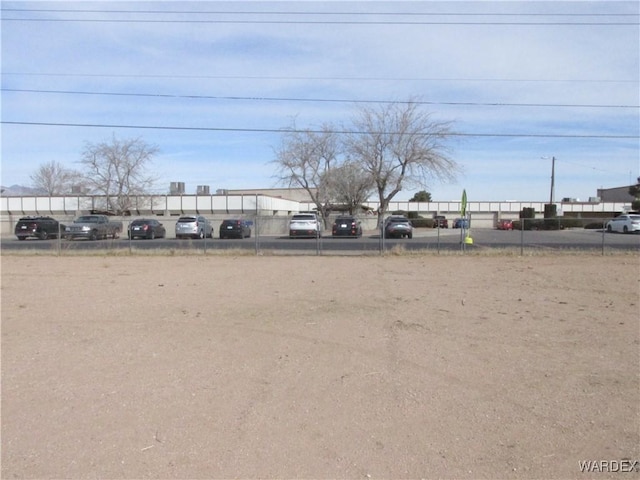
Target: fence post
{"points": [[255, 231]]}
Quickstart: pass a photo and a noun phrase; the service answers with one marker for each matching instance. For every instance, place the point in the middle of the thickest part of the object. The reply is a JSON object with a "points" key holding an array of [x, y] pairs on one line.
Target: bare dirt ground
{"points": [[319, 367]]}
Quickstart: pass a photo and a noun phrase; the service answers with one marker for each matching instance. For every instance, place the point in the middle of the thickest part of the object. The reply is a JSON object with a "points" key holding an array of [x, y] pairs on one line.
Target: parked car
{"points": [[305, 225], [440, 221], [505, 224], [625, 223], [146, 228], [398, 226], [235, 228], [461, 223], [93, 227], [193, 226], [38, 227], [347, 225]]}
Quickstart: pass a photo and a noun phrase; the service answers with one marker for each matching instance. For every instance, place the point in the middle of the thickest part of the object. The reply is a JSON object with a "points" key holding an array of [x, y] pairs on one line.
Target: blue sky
{"points": [[522, 81]]}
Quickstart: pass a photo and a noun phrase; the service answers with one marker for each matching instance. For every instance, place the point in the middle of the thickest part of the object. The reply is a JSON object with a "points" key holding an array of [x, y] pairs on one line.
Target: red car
{"points": [[505, 225]]}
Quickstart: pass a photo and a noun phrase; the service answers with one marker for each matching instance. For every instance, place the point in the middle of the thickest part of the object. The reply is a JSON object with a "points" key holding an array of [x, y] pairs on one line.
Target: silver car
{"points": [[193, 226]]}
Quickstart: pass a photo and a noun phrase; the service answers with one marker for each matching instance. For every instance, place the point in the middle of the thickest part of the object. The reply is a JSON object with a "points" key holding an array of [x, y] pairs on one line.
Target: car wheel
{"points": [[43, 235], [22, 238], [609, 229], [410, 235], [116, 234], [201, 234], [153, 235], [93, 236], [625, 229]]}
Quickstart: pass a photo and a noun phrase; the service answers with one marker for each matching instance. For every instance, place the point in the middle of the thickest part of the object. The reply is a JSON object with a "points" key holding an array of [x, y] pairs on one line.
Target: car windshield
{"points": [[634, 217], [304, 217], [86, 220], [186, 220]]}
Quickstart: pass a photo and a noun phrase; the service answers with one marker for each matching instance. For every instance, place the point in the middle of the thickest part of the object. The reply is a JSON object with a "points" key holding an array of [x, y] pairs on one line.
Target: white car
{"points": [[625, 223], [305, 225]]}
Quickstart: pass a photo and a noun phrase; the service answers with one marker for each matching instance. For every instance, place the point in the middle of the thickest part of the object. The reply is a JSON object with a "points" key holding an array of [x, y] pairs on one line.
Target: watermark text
{"points": [[609, 466]]}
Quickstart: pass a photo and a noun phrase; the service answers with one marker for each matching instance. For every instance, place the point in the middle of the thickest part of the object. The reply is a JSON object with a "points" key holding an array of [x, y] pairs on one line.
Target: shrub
{"points": [[593, 226], [528, 212], [422, 222], [528, 224]]}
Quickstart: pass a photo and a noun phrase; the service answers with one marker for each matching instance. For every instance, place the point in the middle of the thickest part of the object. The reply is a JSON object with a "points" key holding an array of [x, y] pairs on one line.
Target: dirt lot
{"points": [[319, 367]]}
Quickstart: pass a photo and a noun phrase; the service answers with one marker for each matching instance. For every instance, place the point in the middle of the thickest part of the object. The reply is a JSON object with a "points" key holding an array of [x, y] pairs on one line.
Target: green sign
{"points": [[463, 204]]}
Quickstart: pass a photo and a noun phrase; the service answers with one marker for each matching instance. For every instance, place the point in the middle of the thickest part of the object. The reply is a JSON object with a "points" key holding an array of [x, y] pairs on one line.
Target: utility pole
{"points": [[553, 177]]}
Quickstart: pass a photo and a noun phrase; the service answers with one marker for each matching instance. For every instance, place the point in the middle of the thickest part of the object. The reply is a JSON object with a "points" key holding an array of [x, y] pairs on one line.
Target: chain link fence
{"points": [[270, 235]]}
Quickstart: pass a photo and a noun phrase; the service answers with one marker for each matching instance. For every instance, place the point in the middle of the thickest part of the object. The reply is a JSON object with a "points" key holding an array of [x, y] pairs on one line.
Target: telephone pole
{"points": [[553, 178]]}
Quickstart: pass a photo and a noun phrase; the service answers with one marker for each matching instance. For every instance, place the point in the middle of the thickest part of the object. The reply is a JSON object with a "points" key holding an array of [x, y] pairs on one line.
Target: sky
{"points": [[212, 84]]}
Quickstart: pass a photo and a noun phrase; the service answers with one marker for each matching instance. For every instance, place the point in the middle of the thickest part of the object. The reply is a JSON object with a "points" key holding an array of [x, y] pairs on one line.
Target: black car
{"points": [[398, 226], [38, 227], [347, 225], [235, 228], [146, 228]]}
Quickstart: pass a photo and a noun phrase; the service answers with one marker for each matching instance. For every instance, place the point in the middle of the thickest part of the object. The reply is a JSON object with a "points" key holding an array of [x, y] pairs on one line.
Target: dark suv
{"points": [[347, 225], [38, 227], [398, 226], [440, 221], [235, 228]]}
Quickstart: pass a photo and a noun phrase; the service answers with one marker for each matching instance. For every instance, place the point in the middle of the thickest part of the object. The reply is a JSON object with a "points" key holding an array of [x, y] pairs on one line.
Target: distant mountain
{"points": [[19, 190]]}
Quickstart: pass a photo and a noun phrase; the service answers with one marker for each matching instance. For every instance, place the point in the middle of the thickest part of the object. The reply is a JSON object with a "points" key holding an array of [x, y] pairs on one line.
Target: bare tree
{"points": [[118, 170], [399, 144], [303, 159], [55, 179], [349, 185]]}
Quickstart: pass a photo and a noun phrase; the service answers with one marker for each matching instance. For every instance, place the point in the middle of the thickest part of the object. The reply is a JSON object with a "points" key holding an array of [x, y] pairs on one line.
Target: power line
{"points": [[286, 130], [385, 21], [289, 12], [273, 77], [319, 22], [316, 100]]}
